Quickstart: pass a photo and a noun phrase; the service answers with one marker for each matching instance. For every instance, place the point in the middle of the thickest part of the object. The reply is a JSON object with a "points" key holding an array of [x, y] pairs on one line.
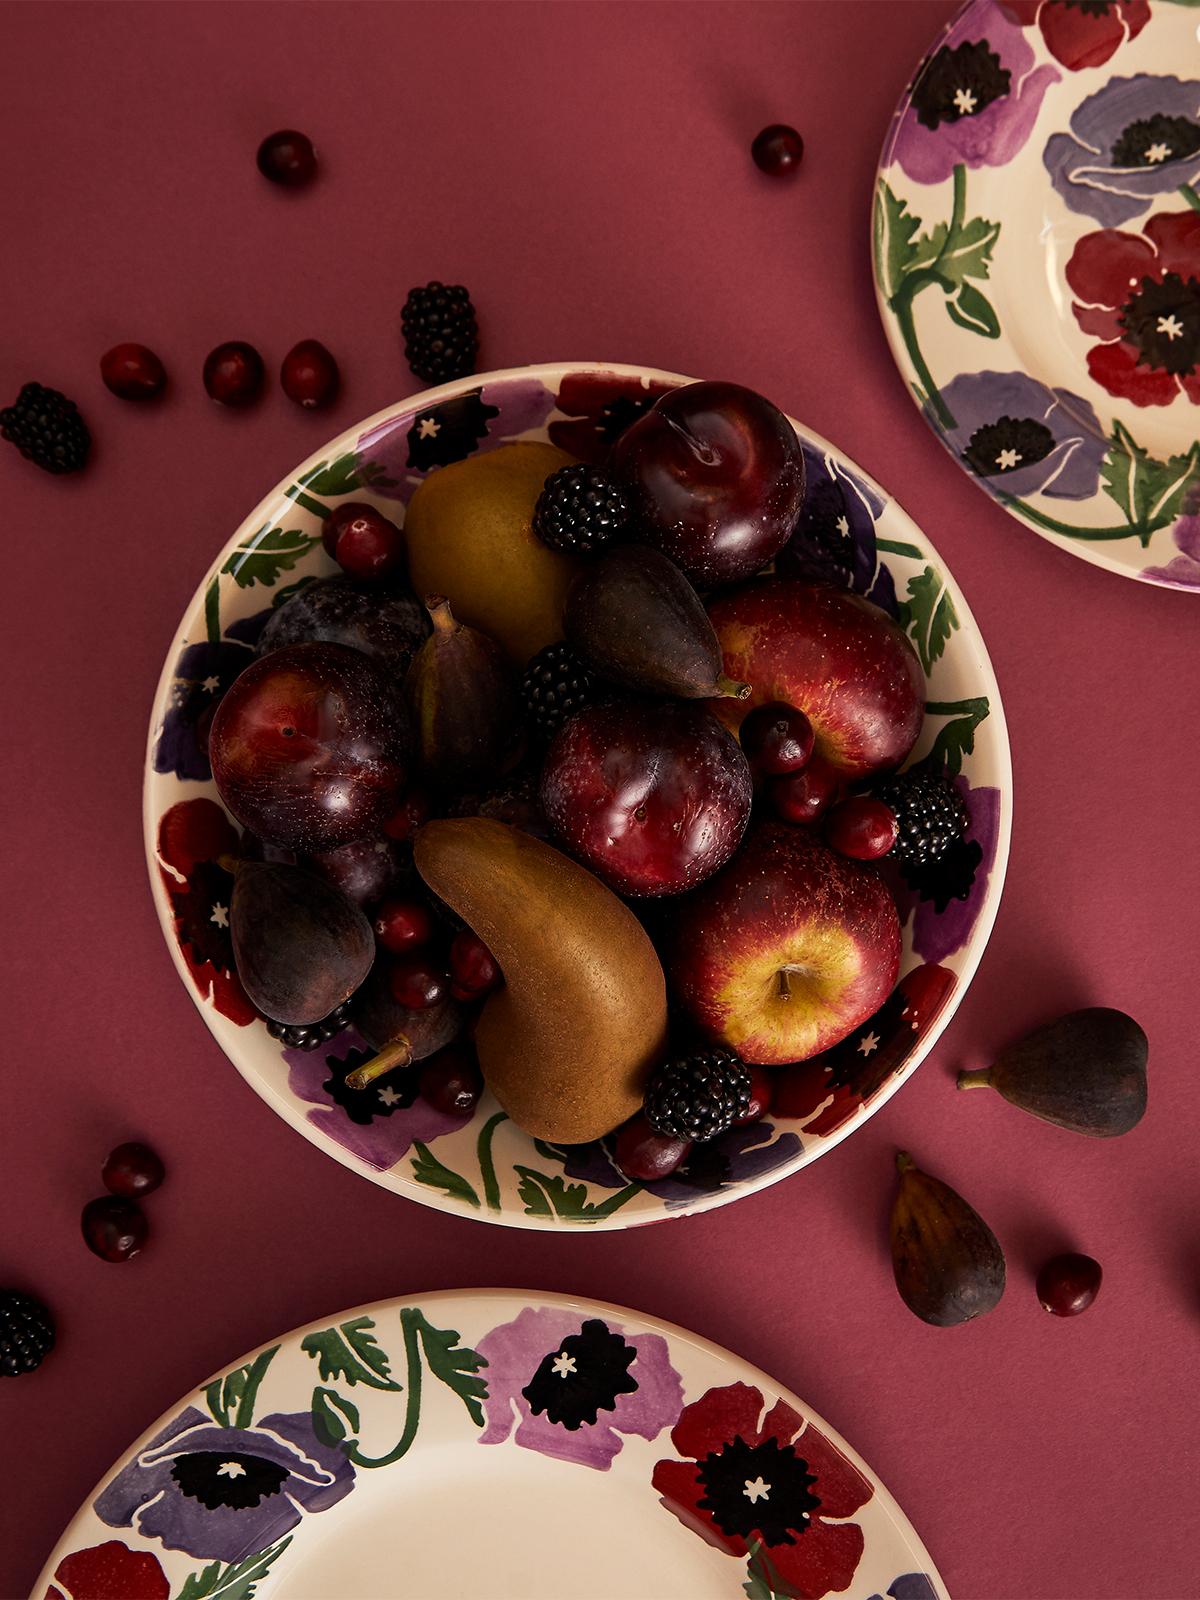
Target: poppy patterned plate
{"points": [[482, 1165], [490, 1443], [1037, 266]]}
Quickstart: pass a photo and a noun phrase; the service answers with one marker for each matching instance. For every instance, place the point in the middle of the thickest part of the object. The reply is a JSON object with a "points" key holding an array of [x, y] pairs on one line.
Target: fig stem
{"points": [[904, 1162], [229, 863], [444, 620], [397, 1054], [731, 689], [976, 1080]]}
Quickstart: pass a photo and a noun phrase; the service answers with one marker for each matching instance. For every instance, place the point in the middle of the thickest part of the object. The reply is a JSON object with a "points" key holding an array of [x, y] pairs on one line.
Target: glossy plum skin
{"points": [[653, 797], [716, 474], [389, 624], [309, 748]]}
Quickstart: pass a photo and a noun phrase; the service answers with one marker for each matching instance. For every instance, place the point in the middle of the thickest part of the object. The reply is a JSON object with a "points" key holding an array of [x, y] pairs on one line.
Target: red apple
{"points": [[837, 657], [787, 950], [716, 474], [653, 797]]}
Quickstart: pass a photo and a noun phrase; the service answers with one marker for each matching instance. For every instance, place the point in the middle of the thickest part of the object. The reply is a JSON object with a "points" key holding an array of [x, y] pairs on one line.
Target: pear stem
{"points": [[731, 689], [904, 1162], [444, 620], [229, 863], [976, 1080], [397, 1054]]}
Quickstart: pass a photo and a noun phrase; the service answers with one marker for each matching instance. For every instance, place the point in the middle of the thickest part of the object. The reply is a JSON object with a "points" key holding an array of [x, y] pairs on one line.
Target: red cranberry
{"points": [[362, 541], [417, 982], [403, 925], [778, 150], [777, 738], [309, 374], [643, 1155], [762, 1090], [803, 796], [132, 372], [861, 828], [473, 967], [1068, 1284], [287, 158], [132, 1170], [114, 1227], [451, 1080], [233, 373]]}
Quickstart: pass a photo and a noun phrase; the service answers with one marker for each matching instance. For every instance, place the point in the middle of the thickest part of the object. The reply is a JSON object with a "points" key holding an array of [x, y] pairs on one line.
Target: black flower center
{"points": [[951, 877], [1007, 444], [395, 1091], [762, 1488], [449, 432], [582, 1376], [1154, 141], [822, 546], [959, 83], [202, 914], [227, 1478], [1163, 320], [866, 1058]]}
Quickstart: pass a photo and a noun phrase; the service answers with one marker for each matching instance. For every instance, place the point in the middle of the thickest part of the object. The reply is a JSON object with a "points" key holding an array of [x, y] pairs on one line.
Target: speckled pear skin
{"points": [[565, 1045]]}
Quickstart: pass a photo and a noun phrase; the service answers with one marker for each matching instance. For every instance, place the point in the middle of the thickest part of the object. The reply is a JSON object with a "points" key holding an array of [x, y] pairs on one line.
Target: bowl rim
{"points": [[274, 1093]]}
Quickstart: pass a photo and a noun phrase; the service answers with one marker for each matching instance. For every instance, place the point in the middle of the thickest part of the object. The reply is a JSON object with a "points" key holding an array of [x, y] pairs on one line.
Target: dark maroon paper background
{"points": [[585, 170]]}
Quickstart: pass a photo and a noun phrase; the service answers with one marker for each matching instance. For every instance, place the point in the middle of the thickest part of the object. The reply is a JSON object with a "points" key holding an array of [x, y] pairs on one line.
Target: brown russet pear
{"points": [[469, 533], [566, 1044]]}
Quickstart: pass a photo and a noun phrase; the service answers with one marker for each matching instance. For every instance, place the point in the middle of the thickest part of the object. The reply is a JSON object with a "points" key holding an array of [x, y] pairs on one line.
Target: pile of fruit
{"points": [[570, 788]]}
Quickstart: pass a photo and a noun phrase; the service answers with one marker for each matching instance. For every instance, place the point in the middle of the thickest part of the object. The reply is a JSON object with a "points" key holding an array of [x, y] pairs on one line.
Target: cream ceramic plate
{"points": [[1037, 265], [483, 1165], [490, 1445]]}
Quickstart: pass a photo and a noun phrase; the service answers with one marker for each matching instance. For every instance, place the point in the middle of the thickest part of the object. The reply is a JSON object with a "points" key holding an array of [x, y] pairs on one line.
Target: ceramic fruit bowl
{"points": [[481, 1164]]}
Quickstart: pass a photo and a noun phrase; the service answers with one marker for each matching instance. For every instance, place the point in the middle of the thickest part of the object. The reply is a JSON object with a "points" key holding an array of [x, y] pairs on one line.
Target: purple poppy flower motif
{"points": [[974, 100], [573, 1385], [1021, 438], [1132, 140], [733, 1157], [1183, 570], [224, 1493], [203, 672], [945, 898], [910, 1586], [377, 1124], [834, 541], [404, 449]]}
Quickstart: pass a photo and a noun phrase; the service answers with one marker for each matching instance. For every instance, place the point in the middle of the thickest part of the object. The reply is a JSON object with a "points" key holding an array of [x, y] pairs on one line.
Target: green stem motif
{"points": [[1190, 196], [412, 1415], [616, 1201], [212, 610], [897, 547], [487, 1165], [901, 305], [306, 501], [1128, 530], [959, 203]]}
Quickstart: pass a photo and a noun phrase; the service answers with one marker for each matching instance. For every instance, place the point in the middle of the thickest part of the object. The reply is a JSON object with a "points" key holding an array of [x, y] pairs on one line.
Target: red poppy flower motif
{"points": [[195, 841], [110, 1571], [1140, 294], [842, 1079], [1082, 33], [764, 1485], [598, 407]]}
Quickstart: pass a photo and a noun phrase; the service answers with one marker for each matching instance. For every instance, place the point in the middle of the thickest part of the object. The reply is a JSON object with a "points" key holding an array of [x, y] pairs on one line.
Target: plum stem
{"points": [[731, 689], [397, 1054], [976, 1080]]}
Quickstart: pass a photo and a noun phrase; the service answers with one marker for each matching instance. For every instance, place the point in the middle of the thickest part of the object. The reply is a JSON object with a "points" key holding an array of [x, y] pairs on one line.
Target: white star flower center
{"points": [[428, 428], [1158, 152], [388, 1096], [869, 1044], [843, 526], [1008, 459], [964, 102], [231, 1469], [1171, 326], [563, 1364], [211, 685], [220, 915], [756, 1490]]}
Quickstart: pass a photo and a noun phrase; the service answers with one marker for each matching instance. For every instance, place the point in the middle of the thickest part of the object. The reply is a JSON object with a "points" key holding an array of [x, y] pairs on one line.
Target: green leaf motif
{"points": [[974, 311], [929, 615], [268, 553], [234, 1582], [349, 1351], [427, 1169], [1147, 490], [454, 1364], [545, 1194], [343, 476], [894, 226], [955, 739], [958, 254], [231, 1399], [330, 1414]]}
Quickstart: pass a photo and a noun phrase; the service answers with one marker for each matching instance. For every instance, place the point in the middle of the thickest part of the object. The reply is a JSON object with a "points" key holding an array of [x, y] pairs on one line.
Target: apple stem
{"points": [[904, 1162], [397, 1054], [731, 689], [976, 1080], [444, 620], [785, 984]]}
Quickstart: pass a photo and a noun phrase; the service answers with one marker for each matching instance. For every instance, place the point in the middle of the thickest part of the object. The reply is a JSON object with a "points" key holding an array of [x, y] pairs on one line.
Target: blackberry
{"points": [[930, 815], [47, 429], [310, 1035], [26, 1333], [580, 510], [697, 1097], [441, 336], [557, 684]]}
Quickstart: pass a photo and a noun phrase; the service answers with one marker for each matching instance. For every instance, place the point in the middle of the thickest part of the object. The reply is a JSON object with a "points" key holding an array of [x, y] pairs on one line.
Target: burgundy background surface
{"points": [[585, 170]]}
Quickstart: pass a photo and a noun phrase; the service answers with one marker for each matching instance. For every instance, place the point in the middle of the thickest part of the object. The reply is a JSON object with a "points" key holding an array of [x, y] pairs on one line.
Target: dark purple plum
{"points": [[389, 623]]}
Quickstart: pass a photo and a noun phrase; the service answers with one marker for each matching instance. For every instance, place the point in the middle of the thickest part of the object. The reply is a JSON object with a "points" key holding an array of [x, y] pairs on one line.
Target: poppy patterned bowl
{"points": [[491, 1442], [1037, 267], [482, 1165]]}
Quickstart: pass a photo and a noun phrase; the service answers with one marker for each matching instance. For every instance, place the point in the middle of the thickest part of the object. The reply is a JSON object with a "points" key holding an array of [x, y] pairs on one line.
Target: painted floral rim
{"points": [[239, 1482], [1093, 90], [483, 1166]]}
